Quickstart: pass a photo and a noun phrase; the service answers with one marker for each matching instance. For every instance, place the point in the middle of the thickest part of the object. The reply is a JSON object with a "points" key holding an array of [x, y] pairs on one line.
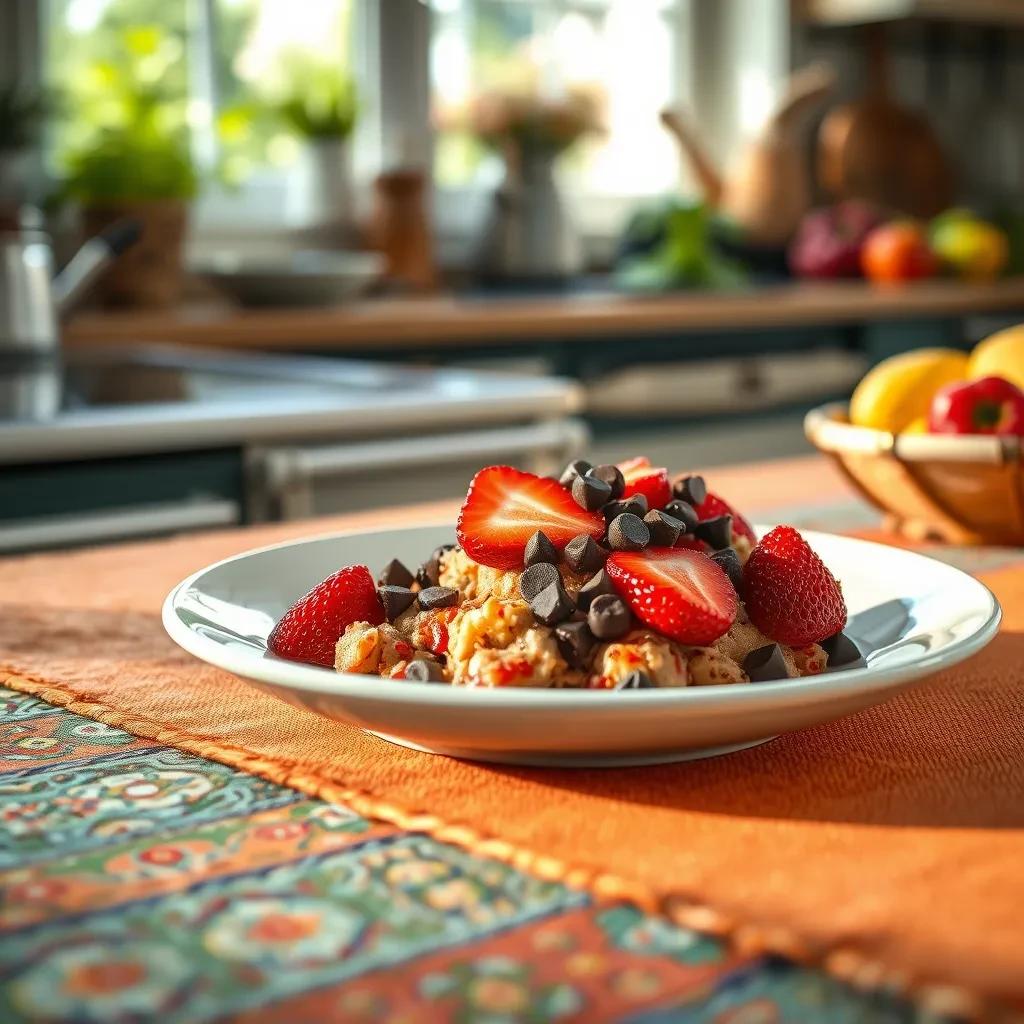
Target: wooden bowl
{"points": [[963, 490]]}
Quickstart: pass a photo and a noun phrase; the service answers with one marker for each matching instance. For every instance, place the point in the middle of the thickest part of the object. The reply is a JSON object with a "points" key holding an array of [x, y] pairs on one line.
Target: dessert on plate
{"points": [[609, 577]]}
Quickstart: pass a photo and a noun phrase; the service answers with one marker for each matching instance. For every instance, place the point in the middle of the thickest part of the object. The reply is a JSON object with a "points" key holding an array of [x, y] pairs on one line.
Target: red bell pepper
{"points": [[989, 405]]}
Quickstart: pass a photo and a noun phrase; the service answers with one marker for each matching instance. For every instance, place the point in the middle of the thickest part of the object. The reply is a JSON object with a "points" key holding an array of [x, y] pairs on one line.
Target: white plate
{"points": [[910, 615]]}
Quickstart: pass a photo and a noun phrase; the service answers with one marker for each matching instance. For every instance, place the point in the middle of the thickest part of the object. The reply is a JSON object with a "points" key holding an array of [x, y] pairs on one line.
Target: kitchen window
{"points": [[413, 62]]}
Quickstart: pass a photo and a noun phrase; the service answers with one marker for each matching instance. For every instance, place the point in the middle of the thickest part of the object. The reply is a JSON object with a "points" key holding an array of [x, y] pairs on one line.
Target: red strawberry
{"points": [[310, 629], [713, 506], [679, 593], [692, 544], [650, 481], [505, 508], [789, 593]]}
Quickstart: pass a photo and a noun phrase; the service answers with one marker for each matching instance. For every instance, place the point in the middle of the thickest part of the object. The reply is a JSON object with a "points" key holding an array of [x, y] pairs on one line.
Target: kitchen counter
{"points": [[448, 321]]}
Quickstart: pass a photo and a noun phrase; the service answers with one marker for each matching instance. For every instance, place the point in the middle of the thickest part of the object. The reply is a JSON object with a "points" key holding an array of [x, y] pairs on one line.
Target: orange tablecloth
{"points": [[888, 846]]}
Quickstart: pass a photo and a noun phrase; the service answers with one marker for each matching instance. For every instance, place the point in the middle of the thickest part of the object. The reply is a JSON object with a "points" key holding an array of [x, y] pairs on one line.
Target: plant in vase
{"points": [[529, 234], [129, 157], [317, 102]]}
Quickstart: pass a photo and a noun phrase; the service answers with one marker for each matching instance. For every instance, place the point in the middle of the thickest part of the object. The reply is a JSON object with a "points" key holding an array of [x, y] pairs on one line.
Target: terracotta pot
{"points": [[151, 272]]}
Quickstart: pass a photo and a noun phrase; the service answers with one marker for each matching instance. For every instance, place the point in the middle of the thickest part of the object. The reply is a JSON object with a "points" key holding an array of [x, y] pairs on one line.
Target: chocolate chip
{"points": [[536, 578], [628, 533], [636, 504], [636, 680], [420, 671], [599, 584], [579, 467], [395, 574], [717, 531], [395, 600], [765, 664], [552, 604], [664, 529], [841, 650], [730, 562], [584, 555], [540, 549], [684, 512], [429, 572], [691, 489], [575, 642], [438, 597], [591, 493], [613, 477], [609, 618]]}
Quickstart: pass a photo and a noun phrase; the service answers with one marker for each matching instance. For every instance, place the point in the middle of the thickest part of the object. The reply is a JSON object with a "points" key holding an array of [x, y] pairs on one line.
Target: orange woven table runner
{"points": [[889, 845]]}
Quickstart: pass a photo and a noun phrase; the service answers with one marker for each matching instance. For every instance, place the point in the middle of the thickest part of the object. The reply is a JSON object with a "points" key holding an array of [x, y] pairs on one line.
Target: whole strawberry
{"points": [[789, 593], [309, 631]]}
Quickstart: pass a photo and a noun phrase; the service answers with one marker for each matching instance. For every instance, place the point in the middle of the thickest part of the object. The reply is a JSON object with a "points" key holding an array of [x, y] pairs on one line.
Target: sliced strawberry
{"points": [[505, 508], [789, 593], [310, 629], [650, 481], [679, 593], [713, 506]]}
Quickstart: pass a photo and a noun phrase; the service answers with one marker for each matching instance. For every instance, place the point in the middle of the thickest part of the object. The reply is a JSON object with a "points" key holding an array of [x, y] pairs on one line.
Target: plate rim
{"points": [[317, 679]]}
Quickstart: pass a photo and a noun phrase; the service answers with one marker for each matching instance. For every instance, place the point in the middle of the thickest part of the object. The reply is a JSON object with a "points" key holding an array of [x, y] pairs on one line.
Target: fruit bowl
{"points": [[959, 489]]}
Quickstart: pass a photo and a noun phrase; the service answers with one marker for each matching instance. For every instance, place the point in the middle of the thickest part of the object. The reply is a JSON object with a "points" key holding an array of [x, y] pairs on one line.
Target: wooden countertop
{"points": [[447, 320]]}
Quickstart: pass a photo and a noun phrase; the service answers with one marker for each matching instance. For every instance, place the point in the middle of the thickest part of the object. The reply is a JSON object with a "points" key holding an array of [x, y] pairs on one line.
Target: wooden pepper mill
{"points": [[400, 229]]}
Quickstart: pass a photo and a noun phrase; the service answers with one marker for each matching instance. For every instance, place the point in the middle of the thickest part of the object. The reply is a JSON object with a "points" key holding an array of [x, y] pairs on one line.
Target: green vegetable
{"points": [[319, 100]]}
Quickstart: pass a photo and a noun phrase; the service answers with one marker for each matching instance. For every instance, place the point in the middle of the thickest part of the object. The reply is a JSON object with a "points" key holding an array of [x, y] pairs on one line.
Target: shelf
{"points": [[863, 12]]}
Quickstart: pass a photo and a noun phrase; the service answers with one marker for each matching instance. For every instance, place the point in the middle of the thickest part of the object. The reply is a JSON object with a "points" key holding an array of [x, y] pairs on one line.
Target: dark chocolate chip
{"points": [[628, 533], [395, 574], [578, 467], [765, 664], [691, 489], [591, 493], [636, 680], [636, 504], [730, 562], [395, 600], [613, 477], [609, 618], [552, 605], [584, 555], [717, 531], [684, 512], [600, 583], [536, 578], [420, 671], [540, 549], [430, 571], [438, 597], [664, 528], [841, 650], [575, 642]]}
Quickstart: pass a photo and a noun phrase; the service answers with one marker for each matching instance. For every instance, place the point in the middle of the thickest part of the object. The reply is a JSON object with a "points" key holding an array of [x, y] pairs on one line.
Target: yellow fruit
{"points": [[1000, 355], [974, 249], [900, 389], [918, 426]]}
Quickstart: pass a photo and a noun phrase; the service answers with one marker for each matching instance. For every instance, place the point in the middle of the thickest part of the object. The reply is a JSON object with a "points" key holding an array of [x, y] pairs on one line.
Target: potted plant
{"points": [[131, 158], [317, 102]]}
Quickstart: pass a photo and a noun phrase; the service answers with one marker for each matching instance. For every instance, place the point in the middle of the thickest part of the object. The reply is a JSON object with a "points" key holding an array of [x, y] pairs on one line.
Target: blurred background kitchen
{"points": [[266, 259]]}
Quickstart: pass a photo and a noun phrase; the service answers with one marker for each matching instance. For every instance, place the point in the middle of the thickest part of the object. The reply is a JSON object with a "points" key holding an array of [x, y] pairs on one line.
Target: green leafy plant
{"points": [[670, 246], [318, 101], [129, 140]]}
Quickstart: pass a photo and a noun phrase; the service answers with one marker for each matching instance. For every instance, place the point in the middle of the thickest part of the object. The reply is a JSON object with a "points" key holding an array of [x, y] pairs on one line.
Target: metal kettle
{"points": [[32, 302], [33, 299]]}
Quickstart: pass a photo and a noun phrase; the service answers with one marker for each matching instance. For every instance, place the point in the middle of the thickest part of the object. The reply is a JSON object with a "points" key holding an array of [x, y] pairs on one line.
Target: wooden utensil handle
{"points": [[694, 154]]}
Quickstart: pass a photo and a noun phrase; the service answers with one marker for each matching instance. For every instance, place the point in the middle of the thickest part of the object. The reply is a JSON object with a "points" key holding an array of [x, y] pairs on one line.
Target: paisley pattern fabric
{"points": [[140, 883]]}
